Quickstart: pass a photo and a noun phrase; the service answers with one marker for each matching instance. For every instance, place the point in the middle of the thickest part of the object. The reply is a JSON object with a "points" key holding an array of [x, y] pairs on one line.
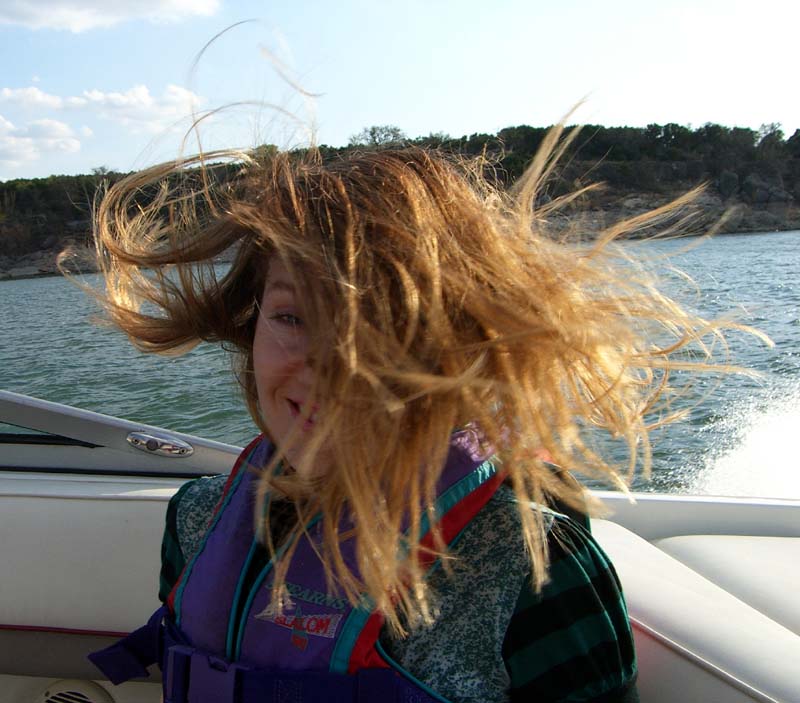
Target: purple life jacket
{"points": [[218, 640]]}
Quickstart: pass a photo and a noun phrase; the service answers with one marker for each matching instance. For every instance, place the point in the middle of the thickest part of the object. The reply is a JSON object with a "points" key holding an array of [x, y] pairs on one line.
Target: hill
{"points": [[754, 176]]}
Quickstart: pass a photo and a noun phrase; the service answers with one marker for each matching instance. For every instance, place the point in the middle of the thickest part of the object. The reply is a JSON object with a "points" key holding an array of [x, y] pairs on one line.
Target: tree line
{"points": [[757, 167]]}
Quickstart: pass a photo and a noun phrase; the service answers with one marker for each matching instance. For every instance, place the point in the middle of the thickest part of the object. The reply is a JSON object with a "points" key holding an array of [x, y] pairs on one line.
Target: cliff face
{"points": [[752, 178], [42, 263], [588, 218], [732, 216]]}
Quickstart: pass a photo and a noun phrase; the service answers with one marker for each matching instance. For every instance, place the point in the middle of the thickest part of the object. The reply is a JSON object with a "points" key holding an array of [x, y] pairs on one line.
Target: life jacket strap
{"points": [[194, 676], [130, 657]]}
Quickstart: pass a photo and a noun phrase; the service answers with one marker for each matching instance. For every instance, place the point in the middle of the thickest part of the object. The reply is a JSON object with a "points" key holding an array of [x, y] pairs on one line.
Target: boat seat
{"points": [[764, 572], [696, 641]]}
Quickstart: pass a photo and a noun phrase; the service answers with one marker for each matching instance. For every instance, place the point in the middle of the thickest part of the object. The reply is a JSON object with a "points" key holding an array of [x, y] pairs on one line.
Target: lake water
{"points": [[738, 439]]}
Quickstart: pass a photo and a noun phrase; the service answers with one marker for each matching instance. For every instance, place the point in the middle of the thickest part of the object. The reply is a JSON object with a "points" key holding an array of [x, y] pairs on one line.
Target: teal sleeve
{"points": [[572, 641], [188, 514], [172, 558]]}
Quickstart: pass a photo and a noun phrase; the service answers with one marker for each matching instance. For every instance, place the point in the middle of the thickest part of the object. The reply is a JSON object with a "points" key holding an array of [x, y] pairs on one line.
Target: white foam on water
{"points": [[759, 452]]}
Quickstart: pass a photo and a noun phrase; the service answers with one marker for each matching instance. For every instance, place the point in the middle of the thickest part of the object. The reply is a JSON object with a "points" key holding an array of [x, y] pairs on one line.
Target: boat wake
{"points": [[758, 455]]}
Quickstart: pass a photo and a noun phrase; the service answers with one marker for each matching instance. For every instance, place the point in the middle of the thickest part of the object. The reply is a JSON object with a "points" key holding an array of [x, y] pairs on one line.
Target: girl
{"points": [[416, 350]]}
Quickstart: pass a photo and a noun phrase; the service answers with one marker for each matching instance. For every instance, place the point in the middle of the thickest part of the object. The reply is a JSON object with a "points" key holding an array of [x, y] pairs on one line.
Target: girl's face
{"points": [[282, 373]]}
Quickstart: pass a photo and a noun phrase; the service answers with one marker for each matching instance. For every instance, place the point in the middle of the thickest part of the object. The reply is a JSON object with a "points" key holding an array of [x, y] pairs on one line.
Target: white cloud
{"points": [[14, 149], [136, 109], [30, 97], [82, 15], [53, 131], [74, 101], [19, 145]]}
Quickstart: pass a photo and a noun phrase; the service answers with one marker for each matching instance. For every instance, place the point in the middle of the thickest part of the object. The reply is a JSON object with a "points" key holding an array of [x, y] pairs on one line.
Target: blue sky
{"points": [[87, 83]]}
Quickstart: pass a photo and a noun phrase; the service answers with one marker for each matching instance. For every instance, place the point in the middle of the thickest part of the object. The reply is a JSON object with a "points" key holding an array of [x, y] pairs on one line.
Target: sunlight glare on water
{"points": [[761, 456]]}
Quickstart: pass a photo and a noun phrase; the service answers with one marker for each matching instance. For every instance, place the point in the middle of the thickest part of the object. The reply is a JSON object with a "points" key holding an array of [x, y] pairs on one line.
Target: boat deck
{"points": [[710, 582]]}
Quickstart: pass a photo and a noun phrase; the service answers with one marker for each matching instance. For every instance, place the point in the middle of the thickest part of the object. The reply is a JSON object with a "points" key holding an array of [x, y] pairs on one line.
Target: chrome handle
{"points": [[161, 444]]}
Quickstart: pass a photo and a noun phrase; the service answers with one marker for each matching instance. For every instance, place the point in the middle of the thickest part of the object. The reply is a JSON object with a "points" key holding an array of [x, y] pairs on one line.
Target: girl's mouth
{"points": [[296, 409]]}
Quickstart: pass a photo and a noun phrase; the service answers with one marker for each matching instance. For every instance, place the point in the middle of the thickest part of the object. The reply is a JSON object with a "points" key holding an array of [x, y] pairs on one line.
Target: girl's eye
{"points": [[285, 318]]}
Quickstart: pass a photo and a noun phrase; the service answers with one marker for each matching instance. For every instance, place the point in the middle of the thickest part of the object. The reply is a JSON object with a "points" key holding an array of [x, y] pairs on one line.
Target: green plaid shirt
{"points": [[494, 639]]}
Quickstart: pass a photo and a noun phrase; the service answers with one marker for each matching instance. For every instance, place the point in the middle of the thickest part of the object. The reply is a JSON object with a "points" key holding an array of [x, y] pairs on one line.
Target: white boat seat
{"points": [[764, 572], [695, 641]]}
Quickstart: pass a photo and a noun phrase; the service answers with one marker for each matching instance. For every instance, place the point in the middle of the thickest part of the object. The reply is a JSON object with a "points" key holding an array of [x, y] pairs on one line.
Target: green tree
{"points": [[378, 136], [522, 140], [728, 184], [770, 141], [436, 140], [793, 145]]}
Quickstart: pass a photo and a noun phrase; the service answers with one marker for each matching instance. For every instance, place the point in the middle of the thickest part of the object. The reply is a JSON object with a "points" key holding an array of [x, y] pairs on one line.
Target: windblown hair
{"points": [[433, 301]]}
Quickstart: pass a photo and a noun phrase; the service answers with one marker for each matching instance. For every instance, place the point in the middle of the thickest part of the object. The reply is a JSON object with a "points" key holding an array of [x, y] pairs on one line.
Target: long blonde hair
{"points": [[433, 300]]}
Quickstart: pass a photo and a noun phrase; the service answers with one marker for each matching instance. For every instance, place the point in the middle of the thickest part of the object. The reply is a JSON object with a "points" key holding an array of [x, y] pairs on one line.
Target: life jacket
{"points": [[218, 640]]}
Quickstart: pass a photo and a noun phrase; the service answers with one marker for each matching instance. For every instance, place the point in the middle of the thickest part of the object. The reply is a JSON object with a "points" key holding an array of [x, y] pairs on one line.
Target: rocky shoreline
{"points": [[39, 264], [712, 213], [739, 218]]}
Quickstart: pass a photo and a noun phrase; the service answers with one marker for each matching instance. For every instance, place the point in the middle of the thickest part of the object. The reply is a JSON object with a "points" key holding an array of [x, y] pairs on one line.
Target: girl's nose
{"points": [[305, 373], [303, 363]]}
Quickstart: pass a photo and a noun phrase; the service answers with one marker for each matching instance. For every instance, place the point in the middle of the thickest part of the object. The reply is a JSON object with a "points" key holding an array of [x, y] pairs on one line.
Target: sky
{"points": [[91, 83]]}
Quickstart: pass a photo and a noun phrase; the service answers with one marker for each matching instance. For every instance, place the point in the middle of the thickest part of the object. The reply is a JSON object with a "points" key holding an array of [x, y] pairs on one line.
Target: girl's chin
{"points": [[308, 472]]}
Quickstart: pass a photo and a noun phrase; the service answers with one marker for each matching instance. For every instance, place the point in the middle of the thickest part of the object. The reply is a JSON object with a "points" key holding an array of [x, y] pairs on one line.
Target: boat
{"points": [[711, 582]]}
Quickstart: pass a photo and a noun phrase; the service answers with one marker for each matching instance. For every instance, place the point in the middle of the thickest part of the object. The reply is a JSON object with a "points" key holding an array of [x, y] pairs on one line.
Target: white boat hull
{"points": [[710, 582]]}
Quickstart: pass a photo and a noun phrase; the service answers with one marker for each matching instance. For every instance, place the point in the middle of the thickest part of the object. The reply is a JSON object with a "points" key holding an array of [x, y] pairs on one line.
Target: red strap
{"points": [[240, 461], [460, 516], [365, 654]]}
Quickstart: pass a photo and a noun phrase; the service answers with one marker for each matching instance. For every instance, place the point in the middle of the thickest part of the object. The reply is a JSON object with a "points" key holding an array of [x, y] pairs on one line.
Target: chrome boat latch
{"points": [[161, 444]]}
